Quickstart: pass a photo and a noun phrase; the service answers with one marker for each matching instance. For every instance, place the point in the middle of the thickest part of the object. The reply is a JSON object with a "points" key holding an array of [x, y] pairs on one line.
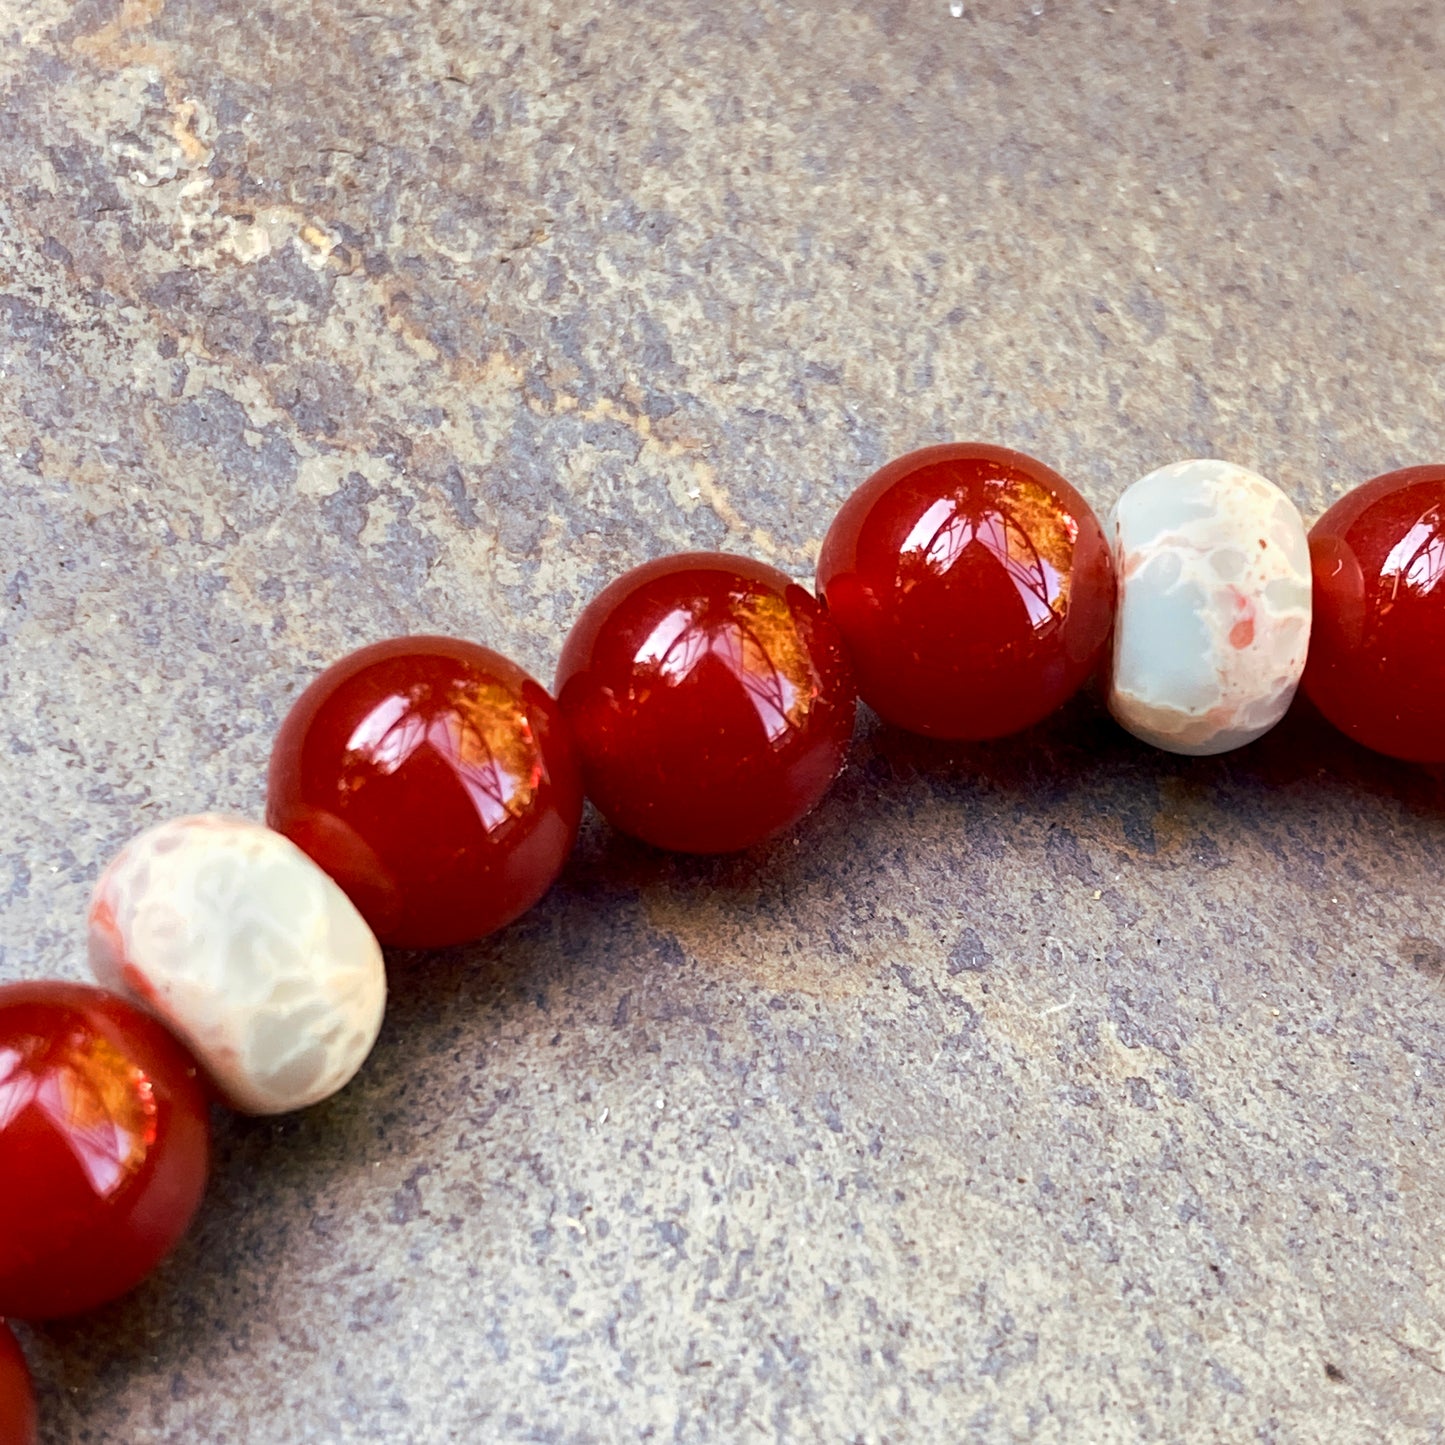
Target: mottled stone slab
{"points": [[1060, 1089]]}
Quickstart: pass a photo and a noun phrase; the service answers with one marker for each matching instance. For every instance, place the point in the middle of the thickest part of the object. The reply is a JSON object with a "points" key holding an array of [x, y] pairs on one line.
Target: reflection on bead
{"points": [[1377, 662], [17, 1397], [103, 1115], [236, 939], [1214, 607], [973, 587], [710, 699], [435, 781]]}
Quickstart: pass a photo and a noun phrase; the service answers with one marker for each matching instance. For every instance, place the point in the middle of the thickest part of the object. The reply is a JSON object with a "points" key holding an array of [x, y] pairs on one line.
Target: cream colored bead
{"points": [[233, 937], [1214, 607]]}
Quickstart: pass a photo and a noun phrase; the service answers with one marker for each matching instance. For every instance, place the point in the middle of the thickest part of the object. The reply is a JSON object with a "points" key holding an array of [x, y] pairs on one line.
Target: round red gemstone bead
{"points": [[104, 1147], [434, 781], [711, 701], [1376, 664], [973, 587], [18, 1424]]}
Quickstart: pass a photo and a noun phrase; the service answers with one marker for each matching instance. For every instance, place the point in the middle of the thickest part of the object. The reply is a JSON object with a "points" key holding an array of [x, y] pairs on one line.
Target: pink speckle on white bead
{"points": [[1214, 611]]}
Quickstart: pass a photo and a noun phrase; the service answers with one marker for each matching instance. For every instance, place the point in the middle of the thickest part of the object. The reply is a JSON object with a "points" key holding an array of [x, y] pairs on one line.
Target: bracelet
{"points": [[425, 791]]}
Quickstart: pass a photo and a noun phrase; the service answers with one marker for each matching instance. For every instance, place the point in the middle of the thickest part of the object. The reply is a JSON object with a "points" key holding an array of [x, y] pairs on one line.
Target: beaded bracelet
{"points": [[425, 791]]}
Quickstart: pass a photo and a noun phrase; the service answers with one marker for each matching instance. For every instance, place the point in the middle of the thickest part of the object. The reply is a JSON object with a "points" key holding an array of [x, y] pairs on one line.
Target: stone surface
{"points": [[248, 951], [1214, 607], [1058, 1089]]}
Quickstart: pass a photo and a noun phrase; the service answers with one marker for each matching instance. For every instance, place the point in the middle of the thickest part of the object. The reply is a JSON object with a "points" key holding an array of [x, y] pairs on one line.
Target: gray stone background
{"points": [[1054, 1090]]}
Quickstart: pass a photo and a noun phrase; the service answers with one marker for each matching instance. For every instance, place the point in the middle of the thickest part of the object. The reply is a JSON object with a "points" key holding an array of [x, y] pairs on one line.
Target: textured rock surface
{"points": [[1058, 1089]]}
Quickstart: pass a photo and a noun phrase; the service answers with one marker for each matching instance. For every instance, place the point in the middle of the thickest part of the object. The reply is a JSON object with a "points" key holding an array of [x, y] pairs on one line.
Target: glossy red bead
{"points": [[104, 1147], [435, 781], [18, 1424], [711, 701], [973, 587], [1376, 664]]}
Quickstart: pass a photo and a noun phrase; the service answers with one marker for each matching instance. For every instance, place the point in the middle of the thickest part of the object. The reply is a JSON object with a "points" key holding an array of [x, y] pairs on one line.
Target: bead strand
{"points": [[425, 791], [19, 1424]]}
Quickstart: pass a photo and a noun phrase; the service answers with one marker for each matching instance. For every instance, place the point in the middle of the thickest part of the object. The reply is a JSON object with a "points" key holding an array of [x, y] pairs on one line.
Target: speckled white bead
{"points": [[250, 953], [1214, 607]]}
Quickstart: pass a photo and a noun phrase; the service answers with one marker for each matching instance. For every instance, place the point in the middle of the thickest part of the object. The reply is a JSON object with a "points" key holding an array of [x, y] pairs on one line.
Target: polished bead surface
{"points": [[104, 1147], [711, 701], [251, 954], [974, 589], [435, 781], [1214, 607], [17, 1396], [1377, 662]]}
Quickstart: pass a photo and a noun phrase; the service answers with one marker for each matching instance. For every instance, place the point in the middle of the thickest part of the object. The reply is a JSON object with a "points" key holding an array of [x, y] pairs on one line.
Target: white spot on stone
{"points": [[250, 953], [1214, 607]]}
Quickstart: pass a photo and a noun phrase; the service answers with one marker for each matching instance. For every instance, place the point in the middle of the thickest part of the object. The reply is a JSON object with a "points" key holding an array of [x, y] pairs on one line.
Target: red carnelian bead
{"points": [[104, 1147], [1377, 646], [435, 781], [973, 588], [17, 1397], [711, 701]]}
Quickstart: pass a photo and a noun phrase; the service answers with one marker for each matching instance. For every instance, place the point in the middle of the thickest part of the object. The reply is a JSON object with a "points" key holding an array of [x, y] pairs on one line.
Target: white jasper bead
{"points": [[234, 938], [1214, 607]]}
